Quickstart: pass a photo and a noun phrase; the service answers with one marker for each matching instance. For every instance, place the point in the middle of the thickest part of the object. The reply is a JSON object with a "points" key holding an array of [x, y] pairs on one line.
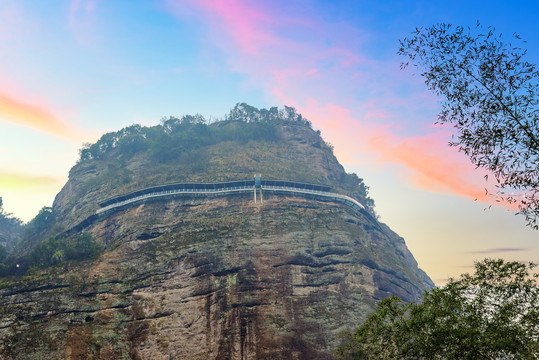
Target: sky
{"points": [[75, 69]]}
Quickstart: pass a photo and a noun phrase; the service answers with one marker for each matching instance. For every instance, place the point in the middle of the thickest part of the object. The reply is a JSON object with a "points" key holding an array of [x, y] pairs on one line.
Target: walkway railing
{"points": [[230, 190], [233, 187], [167, 193]]}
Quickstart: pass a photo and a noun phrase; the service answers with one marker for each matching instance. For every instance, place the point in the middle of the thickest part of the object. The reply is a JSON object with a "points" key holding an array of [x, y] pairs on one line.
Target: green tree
{"points": [[490, 95], [39, 225], [84, 247], [3, 253], [10, 227], [493, 314], [52, 251]]}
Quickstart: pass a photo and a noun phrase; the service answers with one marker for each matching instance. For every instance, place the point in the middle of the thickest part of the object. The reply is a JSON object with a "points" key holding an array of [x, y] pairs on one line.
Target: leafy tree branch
{"points": [[491, 96]]}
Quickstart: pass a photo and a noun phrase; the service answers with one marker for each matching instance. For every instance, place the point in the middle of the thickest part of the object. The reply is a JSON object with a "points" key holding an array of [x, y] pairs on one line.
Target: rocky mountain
{"points": [[202, 276]]}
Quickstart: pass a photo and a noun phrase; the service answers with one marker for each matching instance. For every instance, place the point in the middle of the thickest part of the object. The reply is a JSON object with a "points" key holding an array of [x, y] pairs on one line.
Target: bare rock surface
{"points": [[219, 278]]}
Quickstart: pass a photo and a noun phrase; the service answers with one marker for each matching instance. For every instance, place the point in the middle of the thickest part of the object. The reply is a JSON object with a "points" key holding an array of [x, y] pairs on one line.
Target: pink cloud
{"points": [[290, 58], [434, 167], [243, 24], [429, 163], [377, 114]]}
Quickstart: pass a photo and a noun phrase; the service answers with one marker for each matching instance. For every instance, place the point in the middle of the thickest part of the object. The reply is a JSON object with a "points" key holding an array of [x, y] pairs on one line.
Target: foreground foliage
{"points": [[491, 97], [49, 252], [492, 314]]}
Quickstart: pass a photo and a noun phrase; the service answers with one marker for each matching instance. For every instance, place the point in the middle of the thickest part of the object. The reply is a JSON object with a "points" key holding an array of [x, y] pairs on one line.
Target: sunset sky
{"points": [[73, 70]]}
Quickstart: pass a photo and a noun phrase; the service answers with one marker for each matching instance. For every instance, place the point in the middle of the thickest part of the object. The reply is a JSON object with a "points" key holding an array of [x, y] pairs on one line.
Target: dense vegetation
{"points": [[177, 136], [493, 314], [10, 228], [33, 246], [48, 252]]}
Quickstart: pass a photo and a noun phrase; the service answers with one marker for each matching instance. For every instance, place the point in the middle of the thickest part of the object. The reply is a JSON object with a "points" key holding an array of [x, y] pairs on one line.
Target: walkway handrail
{"points": [[210, 186], [225, 190], [232, 187]]}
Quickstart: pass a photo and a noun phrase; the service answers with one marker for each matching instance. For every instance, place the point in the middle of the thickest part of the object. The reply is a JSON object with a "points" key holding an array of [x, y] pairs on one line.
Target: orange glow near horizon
{"points": [[26, 181], [23, 114]]}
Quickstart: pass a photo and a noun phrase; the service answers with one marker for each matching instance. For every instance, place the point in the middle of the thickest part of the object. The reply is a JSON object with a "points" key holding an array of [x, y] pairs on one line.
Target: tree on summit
{"points": [[491, 96]]}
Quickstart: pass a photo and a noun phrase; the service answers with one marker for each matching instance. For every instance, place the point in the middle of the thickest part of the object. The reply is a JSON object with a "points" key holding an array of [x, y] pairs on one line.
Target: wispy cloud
{"points": [[431, 164], [497, 250], [244, 23], [81, 19], [318, 67], [37, 117], [427, 161], [10, 19]]}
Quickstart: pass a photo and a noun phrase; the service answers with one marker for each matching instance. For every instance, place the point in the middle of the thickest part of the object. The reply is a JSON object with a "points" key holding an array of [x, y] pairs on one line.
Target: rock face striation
{"points": [[200, 277]]}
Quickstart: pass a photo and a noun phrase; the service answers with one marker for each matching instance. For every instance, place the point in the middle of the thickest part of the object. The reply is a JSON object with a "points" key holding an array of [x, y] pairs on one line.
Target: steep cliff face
{"points": [[211, 277], [219, 278]]}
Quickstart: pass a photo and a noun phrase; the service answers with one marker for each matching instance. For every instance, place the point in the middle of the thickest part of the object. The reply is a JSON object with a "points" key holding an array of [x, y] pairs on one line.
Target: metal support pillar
{"points": [[258, 185]]}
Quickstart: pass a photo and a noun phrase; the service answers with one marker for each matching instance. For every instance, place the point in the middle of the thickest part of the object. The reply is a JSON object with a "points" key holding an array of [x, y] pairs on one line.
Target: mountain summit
{"points": [[240, 239]]}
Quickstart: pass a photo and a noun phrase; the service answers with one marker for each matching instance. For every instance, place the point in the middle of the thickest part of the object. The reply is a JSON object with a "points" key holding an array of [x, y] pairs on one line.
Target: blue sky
{"points": [[72, 70]]}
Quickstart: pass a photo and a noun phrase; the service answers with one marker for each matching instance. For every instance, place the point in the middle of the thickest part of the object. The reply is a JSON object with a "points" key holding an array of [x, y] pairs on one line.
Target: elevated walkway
{"points": [[278, 187], [226, 188]]}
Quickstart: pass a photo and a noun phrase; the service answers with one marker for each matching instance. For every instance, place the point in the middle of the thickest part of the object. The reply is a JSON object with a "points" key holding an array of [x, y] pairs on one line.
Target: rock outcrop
{"points": [[210, 277]]}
